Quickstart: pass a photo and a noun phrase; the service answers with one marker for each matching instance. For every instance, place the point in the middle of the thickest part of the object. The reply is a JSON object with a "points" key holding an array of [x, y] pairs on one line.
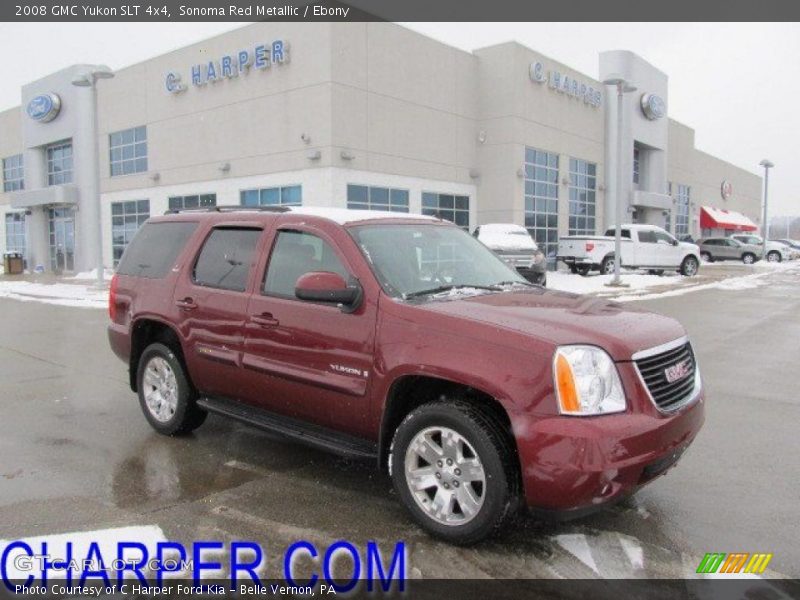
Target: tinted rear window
{"points": [[154, 248], [225, 259], [626, 233]]}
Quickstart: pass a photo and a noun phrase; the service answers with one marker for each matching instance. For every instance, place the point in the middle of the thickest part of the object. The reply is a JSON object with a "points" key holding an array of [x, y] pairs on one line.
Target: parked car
{"points": [[776, 251], [402, 339], [725, 248], [514, 244], [794, 245], [643, 247]]}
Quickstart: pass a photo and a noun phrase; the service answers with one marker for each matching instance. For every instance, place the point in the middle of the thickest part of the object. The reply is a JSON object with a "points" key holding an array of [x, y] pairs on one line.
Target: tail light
{"points": [[589, 246], [112, 298]]}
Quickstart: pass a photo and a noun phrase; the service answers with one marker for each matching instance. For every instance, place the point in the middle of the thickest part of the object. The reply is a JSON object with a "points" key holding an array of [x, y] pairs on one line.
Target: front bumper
{"points": [[572, 465]]}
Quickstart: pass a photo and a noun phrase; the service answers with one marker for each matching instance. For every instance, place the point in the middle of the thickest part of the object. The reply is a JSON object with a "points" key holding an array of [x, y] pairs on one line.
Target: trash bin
{"points": [[13, 263]]}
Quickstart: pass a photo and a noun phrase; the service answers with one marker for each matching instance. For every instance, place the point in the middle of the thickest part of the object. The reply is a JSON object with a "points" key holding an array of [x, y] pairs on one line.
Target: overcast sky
{"points": [[737, 85]]}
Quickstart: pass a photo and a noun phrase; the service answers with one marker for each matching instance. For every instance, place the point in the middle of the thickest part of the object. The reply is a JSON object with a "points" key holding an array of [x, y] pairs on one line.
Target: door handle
{"points": [[265, 320], [186, 304]]}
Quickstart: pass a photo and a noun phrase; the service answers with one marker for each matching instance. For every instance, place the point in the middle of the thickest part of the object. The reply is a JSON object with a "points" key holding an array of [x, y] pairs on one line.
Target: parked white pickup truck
{"points": [[643, 247]]}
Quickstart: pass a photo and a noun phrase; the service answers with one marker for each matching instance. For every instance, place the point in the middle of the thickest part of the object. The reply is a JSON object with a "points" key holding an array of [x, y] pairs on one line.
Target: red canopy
{"points": [[717, 218]]}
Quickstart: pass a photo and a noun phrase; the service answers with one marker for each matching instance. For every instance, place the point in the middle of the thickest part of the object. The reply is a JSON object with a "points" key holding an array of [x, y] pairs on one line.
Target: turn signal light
{"points": [[567, 393], [589, 246]]}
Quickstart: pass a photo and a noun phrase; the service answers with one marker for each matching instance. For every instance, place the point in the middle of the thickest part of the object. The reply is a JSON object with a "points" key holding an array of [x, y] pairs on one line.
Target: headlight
{"points": [[587, 382]]}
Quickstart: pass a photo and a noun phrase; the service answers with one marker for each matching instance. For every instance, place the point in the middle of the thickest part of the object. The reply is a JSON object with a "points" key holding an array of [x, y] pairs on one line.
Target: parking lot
{"points": [[77, 455]]}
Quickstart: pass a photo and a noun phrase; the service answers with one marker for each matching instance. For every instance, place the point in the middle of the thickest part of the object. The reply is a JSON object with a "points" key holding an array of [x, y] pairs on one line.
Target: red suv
{"points": [[403, 339]]}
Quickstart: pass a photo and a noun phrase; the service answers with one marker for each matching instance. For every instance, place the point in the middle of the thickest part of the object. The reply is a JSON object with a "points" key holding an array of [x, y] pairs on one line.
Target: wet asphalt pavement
{"points": [[77, 455]]}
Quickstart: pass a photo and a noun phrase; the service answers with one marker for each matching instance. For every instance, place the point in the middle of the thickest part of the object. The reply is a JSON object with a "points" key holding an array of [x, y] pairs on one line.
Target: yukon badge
{"points": [[349, 370]]}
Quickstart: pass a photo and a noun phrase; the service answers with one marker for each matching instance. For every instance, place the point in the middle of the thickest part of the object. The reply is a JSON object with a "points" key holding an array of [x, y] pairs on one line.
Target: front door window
{"points": [[62, 239]]}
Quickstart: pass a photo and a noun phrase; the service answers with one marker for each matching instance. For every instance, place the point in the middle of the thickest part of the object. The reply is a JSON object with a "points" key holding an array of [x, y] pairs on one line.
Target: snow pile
{"points": [[596, 284], [61, 294], [92, 275]]}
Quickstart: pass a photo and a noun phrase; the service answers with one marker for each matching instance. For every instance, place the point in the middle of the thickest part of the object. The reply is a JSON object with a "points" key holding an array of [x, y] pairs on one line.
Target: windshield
{"points": [[419, 259]]}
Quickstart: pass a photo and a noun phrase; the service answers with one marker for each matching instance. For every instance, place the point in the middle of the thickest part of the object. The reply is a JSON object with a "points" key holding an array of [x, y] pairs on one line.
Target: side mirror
{"points": [[324, 286], [675, 242]]}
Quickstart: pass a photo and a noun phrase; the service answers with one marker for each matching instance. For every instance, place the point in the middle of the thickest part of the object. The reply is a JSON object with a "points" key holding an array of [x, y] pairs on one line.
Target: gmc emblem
{"points": [[677, 371]]}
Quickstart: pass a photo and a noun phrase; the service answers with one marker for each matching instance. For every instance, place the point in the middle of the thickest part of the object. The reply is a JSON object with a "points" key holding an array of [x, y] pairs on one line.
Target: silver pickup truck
{"points": [[643, 247]]}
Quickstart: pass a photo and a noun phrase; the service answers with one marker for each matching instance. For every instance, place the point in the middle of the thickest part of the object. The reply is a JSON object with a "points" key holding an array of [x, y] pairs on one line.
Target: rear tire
{"points": [[452, 466], [748, 258], [166, 397], [658, 272], [583, 270]]}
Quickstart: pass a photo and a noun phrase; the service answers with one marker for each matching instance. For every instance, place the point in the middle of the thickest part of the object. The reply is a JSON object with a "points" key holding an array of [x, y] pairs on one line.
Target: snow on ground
{"points": [[62, 294], [91, 275], [648, 287]]}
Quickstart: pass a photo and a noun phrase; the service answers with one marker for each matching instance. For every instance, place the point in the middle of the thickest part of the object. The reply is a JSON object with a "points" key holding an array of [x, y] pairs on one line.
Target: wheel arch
{"points": [[410, 391], [146, 331]]}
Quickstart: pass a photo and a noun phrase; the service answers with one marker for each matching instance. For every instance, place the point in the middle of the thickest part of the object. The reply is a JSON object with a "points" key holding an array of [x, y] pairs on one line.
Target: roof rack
{"points": [[231, 208]]}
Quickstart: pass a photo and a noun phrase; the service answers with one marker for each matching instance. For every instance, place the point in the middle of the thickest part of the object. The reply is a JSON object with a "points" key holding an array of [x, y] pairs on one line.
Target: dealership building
{"points": [[360, 115]]}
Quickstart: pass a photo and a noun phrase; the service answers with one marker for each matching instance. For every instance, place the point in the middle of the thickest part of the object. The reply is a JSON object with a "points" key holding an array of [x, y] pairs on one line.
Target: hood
{"points": [[560, 318], [689, 246]]}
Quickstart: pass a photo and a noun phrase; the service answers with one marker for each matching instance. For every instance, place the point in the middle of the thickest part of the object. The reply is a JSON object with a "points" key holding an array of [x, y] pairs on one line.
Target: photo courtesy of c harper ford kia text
{"points": [[398, 300]]}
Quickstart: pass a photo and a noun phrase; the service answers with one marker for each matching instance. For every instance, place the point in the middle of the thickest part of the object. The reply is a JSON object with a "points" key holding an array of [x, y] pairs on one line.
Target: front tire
{"points": [[689, 266], [166, 397], [748, 258], [451, 465], [583, 270], [706, 257], [774, 256]]}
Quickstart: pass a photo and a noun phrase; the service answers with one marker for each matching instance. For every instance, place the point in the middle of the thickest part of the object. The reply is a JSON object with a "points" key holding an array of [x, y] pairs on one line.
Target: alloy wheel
{"points": [[160, 389], [445, 476]]}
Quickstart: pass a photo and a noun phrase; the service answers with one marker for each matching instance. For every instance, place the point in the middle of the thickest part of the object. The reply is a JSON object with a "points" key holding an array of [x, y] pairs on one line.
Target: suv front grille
{"points": [[669, 395]]}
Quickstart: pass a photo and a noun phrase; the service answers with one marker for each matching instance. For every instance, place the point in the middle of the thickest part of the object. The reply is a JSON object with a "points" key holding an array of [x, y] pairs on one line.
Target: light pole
{"points": [[89, 79], [767, 164], [623, 87]]}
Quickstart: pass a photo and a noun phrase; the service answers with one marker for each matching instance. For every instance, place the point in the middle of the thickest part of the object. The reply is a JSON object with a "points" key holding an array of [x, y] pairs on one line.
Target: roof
{"points": [[341, 216], [344, 216]]}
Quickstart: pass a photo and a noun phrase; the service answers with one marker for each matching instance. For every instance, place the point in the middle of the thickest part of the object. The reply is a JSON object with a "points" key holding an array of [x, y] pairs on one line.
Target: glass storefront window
{"points": [[126, 218], [541, 199], [59, 163], [364, 197], [452, 207], [128, 151], [192, 201], [582, 197], [290, 195], [13, 173]]}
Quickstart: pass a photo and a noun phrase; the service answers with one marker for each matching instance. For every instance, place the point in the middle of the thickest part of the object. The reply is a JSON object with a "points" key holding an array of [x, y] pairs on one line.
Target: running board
{"points": [[307, 433]]}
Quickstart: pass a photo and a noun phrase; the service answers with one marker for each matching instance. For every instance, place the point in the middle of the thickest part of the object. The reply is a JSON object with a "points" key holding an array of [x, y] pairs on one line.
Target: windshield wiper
{"points": [[528, 283], [448, 288]]}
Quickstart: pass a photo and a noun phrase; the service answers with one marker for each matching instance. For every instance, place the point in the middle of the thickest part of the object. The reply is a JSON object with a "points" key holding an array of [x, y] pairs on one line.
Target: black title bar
{"points": [[398, 10]]}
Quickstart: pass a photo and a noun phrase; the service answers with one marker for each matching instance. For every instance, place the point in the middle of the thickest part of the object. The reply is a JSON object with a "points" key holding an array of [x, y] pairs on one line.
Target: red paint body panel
{"points": [[315, 362]]}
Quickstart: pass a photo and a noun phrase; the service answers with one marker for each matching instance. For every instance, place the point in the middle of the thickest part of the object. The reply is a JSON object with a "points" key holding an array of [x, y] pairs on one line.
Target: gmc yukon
{"points": [[402, 339]]}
